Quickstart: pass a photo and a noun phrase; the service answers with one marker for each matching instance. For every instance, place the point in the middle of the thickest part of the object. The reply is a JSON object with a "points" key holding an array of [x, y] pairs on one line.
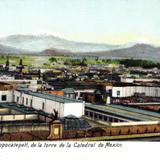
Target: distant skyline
{"points": [[98, 21]]}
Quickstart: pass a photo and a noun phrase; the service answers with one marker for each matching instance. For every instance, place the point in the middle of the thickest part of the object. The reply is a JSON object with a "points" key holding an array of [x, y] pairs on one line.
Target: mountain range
{"points": [[38, 43], [137, 51], [51, 45]]}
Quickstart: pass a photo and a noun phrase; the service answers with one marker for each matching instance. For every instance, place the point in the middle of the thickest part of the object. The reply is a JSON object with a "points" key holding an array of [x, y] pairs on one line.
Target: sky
{"points": [[99, 21]]}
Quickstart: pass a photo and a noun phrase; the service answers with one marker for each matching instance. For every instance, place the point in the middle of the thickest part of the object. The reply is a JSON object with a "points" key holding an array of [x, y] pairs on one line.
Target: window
{"points": [[43, 106], [86, 113], [31, 103], [105, 118], [118, 93], [91, 114], [22, 100], [156, 93], [100, 117], [4, 97], [17, 99], [26, 101]]}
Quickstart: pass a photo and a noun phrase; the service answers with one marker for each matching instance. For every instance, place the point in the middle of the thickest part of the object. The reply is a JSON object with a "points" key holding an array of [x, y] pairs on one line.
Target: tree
{"points": [[84, 61], [52, 59]]}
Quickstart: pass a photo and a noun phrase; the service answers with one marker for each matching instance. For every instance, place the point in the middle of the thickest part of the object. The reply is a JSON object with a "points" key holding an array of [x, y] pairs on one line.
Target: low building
{"points": [[118, 90], [49, 103], [79, 87]]}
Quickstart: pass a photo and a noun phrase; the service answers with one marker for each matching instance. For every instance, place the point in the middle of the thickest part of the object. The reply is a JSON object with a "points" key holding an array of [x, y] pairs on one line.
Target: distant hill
{"points": [[138, 51], [11, 50], [56, 52], [38, 43]]}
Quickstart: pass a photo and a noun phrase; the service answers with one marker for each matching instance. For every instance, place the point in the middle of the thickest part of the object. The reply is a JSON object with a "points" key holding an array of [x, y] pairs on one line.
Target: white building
{"points": [[48, 103], [4, 78], [130, 90], [131, 80]]}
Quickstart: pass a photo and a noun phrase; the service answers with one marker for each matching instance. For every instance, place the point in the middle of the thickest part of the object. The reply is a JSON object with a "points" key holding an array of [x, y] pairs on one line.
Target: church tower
{"points": [[7, 64], [20, 67]]}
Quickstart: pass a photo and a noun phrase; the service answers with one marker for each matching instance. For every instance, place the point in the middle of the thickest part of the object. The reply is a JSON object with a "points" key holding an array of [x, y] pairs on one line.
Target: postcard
{"points": [[80, 75]]}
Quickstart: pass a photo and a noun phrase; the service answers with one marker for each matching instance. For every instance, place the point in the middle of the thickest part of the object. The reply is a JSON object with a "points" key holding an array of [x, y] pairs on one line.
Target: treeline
{"points": [[139, 63], [96, 60], [84, 61], [74, 62]]}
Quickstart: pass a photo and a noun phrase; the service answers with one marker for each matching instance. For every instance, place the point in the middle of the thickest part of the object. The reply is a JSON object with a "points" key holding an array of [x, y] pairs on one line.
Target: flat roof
{"points": [[105, 110], [134, 84], [125, 112], [56, 98], [22, 108], [23, 122], [136, 110]]}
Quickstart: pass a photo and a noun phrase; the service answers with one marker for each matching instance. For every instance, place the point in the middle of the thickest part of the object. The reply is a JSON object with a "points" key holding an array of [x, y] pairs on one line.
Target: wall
{"points": [[51, 105], [24, 128], [18, 117], [26, 96], [16, 94], [4, 111], [38, 103], [131, 90], [111, 131], [9, 95], [76, 109], [128, 130]]}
